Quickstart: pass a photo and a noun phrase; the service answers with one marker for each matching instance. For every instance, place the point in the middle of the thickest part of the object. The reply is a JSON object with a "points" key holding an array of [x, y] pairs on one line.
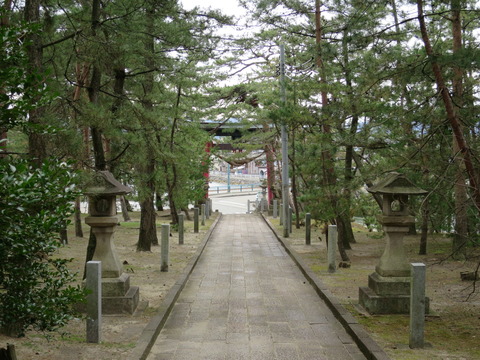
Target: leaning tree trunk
{"points": [[452, 114], [187, 213], [123, 206]]}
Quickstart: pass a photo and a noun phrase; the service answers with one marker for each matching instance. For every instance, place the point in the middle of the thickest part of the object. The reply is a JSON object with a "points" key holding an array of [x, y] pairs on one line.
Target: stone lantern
{"points": [[388, 290], [117, 294]]}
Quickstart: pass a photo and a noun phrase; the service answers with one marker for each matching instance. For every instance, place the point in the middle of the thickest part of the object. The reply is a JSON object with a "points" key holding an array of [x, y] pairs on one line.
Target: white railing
{"points": [[225, 189], [236, 175]]}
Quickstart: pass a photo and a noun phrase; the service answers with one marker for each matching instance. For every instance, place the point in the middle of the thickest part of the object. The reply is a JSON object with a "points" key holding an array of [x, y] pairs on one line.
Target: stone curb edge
{"points": [[153, 328], [366, 344]]}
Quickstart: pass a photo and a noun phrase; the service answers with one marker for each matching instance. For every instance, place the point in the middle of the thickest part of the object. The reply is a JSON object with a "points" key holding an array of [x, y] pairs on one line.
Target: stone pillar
{"points": [[203, 214], [275, 208], [93, 283], [195, 220], [332, 248], [417, 306], [308, 232], [207, 209], [281, 214], [165, 248], [181, 228]]}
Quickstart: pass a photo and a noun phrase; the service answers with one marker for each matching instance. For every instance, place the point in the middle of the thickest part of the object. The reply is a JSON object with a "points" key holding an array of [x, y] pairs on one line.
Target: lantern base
{"points": [[387, 295], [126, 304], [118, 296]]}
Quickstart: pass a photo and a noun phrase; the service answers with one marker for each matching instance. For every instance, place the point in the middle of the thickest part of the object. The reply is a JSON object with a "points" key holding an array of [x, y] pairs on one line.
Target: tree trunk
{"points": [[171, 184], [270, 167], [452, 114], [123, 206], [347, 232], [148, 229], [424, 235], [460, 237], [4, 21], [294, 182], [78, 219], [93, 95], [63, 233], [147, 222], [187, 213], [341, 242], [329, 176], [158, 201], [348, 171], [37, 147]]}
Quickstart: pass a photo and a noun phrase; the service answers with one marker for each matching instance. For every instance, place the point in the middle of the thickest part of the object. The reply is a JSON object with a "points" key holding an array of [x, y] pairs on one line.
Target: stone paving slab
{"points": [[247, 299]]}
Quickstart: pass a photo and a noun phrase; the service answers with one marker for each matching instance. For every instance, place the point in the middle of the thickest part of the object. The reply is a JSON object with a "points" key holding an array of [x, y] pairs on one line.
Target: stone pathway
{"points": [[246, 299]]}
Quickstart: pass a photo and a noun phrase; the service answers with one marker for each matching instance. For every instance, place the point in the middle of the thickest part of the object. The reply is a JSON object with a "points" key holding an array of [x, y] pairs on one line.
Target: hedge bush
{"points": [[35, 287]]}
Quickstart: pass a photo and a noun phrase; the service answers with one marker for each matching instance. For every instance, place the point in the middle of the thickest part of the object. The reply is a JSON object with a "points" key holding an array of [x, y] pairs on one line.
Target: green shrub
{"points": [[34, 287]]}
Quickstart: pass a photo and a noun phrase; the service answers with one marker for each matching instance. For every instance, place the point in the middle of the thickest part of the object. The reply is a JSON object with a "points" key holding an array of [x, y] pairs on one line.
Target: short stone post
{"points": [[332, 248], [203, 214], [248, 206], [417, 306], [207, 209], [308, 220], [275, 208], [281, 214], [195, 220], [181, 228], [210, 206], [290, 219], [94, 301], [165, 247]]}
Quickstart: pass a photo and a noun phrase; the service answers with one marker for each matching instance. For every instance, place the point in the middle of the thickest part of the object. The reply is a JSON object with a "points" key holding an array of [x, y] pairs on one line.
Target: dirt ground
{"points": [[452, 328], [119, 333]]}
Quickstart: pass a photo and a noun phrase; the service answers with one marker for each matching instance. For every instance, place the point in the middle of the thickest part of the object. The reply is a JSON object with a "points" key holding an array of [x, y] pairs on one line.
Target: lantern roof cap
{"points": [[396, 183], [103, 183]]}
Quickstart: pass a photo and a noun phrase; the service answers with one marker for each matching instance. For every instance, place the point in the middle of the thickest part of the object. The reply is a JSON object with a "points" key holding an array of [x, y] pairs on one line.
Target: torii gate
{"points": [[235, 131]]}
